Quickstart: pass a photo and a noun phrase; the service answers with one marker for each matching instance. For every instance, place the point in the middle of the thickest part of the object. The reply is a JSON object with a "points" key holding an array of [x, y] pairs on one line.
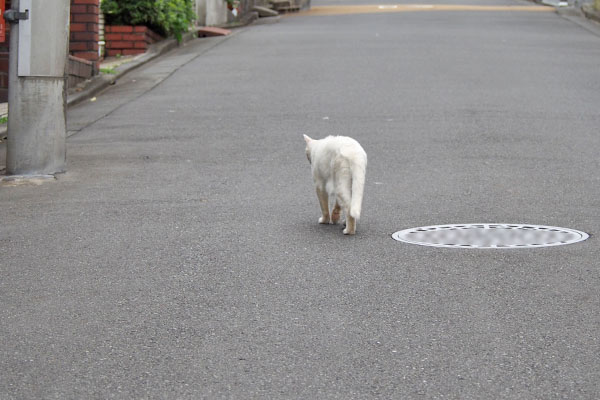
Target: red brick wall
{"points": [[78, 70], [3, 76], [4, 49], [126, 40], [84, 30]]}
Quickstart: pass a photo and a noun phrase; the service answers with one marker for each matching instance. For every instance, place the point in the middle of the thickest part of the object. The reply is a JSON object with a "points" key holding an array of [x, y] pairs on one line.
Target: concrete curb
{"points": [[267, 20]]}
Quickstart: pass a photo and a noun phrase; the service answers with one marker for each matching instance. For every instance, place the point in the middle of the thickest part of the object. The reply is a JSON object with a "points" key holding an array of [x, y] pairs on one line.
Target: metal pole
{"points": [[36, 143]]}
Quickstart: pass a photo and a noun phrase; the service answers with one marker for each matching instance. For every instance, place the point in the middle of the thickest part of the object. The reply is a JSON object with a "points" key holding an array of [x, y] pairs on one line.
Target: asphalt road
{"points": [[180, 256]]}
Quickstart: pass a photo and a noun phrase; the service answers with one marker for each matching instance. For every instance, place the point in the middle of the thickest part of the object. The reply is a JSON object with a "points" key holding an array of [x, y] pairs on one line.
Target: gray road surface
{"points": [[180, 256]]}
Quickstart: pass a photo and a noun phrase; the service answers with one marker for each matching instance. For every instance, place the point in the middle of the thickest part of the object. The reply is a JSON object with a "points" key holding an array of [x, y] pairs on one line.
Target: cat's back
{"points": [[345, 147], [340, 142]]}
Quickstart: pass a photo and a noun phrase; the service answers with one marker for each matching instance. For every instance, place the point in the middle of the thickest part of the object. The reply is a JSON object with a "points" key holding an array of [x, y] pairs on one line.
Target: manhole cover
{"points": [[490, 236]]}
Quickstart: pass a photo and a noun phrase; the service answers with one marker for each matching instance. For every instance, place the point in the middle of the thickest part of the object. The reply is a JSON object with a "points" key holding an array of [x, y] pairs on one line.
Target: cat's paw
{"points": [[335, 217], [349, 232], [324, 220]]}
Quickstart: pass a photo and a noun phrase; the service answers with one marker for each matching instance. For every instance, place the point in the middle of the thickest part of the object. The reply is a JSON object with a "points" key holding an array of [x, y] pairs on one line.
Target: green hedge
{"points": [[166, 17]]}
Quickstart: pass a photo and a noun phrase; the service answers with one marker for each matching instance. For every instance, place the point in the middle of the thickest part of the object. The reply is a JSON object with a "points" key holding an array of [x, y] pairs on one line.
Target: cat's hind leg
{"points": [[336, 213], [350, 225], [324, 203], [344, 199]]}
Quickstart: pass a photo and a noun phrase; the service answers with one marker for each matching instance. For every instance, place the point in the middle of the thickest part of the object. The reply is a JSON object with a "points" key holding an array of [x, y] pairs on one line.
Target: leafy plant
{"points": [[178, 14], [166, 17]]}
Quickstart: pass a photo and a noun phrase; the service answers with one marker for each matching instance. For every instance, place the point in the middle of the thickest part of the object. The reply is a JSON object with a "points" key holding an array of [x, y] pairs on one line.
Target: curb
{"points": [[267, 20]]}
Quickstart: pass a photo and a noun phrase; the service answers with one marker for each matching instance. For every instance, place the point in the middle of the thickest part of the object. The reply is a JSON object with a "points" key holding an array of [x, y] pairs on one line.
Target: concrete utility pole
{"points": [[39, 41]]}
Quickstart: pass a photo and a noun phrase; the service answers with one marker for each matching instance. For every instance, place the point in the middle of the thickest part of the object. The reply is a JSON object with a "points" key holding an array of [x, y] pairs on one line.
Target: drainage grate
{"points": [[490, 236]]}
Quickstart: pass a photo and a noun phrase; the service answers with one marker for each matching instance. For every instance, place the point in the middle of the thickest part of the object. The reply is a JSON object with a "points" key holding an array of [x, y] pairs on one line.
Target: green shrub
{"points": [[166, 17]]}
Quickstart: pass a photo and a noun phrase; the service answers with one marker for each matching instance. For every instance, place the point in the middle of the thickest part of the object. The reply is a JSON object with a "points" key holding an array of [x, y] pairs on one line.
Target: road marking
{"points": [[383, 8]]}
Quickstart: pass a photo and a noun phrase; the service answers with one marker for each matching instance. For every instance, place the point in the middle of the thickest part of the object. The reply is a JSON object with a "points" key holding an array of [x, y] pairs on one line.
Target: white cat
{"points": [[338, 165]]}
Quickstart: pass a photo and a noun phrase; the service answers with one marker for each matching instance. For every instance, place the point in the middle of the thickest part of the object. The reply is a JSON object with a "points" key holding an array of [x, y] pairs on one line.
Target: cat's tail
{"points": [[359, 169]]}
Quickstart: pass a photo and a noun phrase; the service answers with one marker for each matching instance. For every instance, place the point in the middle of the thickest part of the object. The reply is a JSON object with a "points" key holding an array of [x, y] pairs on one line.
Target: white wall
{"points": [[211, 12]]}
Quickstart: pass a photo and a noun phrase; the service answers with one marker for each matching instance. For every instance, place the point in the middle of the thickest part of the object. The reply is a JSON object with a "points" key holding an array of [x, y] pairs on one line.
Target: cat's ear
{"points": [[307, 139]]}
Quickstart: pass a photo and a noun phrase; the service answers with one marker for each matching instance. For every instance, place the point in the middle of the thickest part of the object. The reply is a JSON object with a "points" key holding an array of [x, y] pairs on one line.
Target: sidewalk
{"points": [[119, 68], [123, 65], [116, 68]]}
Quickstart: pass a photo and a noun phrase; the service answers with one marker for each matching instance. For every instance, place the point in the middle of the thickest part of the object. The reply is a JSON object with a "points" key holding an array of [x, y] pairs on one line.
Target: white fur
{"points": [[338, 165]]}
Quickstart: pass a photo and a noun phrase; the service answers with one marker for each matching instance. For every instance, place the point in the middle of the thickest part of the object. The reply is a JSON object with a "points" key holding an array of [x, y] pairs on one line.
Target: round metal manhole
{"points": [[490, 236]]}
